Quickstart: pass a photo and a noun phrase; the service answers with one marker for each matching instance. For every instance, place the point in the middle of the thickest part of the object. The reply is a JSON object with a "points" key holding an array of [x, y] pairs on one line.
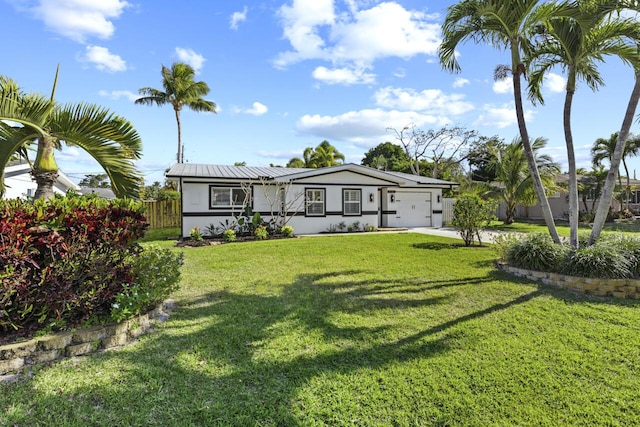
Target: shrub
{"points": [[157, 273], [196, 234], [229, 235], [502, 242], [261, 233], [601, 260], [626, 245], [63, 261], [287, 231], [353, 227], [471, 214], [535, 252], [370, 228]]}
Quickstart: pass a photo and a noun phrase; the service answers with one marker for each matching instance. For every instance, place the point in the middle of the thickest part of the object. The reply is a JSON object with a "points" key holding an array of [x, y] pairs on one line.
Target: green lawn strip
{"points": [[398, 329], [161, 234], [563, 227]]}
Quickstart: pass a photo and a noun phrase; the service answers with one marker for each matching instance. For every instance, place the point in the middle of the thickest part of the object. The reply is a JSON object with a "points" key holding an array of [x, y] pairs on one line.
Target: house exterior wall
{"points": [[18, 183], [197, 209]]}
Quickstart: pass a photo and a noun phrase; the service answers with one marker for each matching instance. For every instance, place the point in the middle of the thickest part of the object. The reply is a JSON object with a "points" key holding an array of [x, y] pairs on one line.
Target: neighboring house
{"points": [[559, 202], [18, 181], [104, 193], [310, 200]]}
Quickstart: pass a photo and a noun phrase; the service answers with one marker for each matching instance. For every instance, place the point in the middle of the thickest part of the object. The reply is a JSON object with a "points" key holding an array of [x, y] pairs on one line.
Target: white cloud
{"points": [[344, 76], [103, 60], [364, 128], [503, 86], [555, 82], [188, 56], [356, 38], [460, 82], [400, 73], [500, 116], [257, 109], [238, 17], [117, 94], [280, 154], [432, 101], [78, 19]]}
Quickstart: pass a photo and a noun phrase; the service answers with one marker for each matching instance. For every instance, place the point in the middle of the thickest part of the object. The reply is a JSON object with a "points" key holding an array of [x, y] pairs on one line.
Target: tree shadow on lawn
{"points": [[241, 359]]}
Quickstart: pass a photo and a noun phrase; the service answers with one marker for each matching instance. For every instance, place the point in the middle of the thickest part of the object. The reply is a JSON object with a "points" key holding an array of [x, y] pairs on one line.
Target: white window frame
{"points": [[235, 198], [352, 197], [315, 197]]}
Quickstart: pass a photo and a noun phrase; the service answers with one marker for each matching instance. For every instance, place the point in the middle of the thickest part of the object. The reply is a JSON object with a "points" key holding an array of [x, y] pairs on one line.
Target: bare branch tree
{"points": [[446, 146], [281, 207]]}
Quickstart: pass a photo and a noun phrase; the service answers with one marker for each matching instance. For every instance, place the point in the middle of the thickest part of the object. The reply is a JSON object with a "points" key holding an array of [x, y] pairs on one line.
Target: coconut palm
{"points": [[505, 25], [325, 155], [35, 120], [603, 149], [509, 163], [180, 90], [575, 44]]}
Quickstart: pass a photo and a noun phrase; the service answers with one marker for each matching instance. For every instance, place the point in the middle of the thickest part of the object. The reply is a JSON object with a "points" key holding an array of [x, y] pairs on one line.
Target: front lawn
{"points": [[563, 227], [362, 330]]}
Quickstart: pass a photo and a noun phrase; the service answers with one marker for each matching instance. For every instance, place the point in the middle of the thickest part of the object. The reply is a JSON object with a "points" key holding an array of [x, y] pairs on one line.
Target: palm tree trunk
{"points": [[180, 156], [45, 169], [573, 178], [609, 186], [531, 160], [628, 189]]}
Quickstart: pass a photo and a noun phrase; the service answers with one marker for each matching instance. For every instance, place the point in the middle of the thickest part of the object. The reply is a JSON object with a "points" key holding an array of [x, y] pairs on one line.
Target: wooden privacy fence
{"points": [[447, 210], [162, 213]]}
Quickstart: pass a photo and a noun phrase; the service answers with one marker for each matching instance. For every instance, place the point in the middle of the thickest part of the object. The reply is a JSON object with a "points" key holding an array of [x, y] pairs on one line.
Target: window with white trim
{"points": [[352, 202], [227, 197], [315, 202]]}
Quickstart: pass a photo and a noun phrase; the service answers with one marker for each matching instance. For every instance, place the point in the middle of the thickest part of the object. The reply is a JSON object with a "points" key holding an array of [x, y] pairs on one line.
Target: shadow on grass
{"points": [[227, 358]]}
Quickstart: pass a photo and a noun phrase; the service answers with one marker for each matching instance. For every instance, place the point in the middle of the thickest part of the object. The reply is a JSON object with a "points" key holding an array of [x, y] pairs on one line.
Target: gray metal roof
{"points": [[193, 170]]}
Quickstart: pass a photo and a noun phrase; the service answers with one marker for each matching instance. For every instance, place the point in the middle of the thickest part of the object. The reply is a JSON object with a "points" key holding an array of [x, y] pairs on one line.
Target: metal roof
{"points": [[194, 170]]}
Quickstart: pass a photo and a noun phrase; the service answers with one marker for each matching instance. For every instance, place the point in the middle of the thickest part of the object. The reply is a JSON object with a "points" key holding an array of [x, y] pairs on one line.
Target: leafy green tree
{"points": [[512, 172], [180, 90], [480, 157], [387, 156], [100, 180], [471, 214], [28, 120], [576, 44], [506, 25]]}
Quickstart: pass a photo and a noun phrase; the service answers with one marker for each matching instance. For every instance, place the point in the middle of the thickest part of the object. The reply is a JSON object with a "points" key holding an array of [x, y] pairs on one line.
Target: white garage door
{"points": [[413, 210]]}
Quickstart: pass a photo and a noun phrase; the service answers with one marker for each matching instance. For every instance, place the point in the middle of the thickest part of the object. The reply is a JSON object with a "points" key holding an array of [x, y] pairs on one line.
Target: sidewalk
{"points": [[487, 236]]}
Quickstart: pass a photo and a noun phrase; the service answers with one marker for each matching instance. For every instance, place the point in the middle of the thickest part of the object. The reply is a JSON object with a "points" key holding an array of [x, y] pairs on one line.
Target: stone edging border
{"points": [[15, 358], [617, 288]]}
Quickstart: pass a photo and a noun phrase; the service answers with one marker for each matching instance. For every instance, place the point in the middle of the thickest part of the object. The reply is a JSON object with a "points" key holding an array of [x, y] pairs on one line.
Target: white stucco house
{"points": [[18, 182], [310, 200]]}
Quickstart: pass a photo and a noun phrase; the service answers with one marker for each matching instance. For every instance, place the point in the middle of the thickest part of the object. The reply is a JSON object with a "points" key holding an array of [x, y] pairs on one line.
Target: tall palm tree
{"points": [[576, 43], [603, 149], [509, 163], [506, 25], [37, 121], [180, 90]]}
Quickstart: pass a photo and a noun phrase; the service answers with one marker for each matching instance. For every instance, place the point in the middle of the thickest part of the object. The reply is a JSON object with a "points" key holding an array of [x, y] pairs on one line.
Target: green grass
{"points": [[366, 330], [160, 234], [563, 227]]}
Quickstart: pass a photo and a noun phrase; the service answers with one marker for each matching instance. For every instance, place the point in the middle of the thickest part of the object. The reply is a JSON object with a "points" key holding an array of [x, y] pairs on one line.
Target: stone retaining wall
{"points": [[16, 357], [618, 288]]}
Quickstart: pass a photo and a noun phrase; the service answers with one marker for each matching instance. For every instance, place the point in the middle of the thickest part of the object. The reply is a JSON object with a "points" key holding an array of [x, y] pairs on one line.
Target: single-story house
{"points": [[18, 181], [559, 202], [310, 200]]}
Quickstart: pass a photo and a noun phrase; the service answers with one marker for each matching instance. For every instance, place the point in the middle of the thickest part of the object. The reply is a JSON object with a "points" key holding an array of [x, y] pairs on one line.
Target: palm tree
{"points": [[37, 121], [575, 44], [180, 90], [509, 163], [603, 149], [503, 24], [323, 155]]}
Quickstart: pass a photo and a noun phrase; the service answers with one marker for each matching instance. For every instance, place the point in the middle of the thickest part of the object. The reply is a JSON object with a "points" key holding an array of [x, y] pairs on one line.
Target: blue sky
{"points": [[285, 74]]}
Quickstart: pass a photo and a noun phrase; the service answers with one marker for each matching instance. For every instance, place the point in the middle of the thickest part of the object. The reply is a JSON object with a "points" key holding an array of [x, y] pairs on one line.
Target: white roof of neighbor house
{"points": [[192, 170], [21, 167]]}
